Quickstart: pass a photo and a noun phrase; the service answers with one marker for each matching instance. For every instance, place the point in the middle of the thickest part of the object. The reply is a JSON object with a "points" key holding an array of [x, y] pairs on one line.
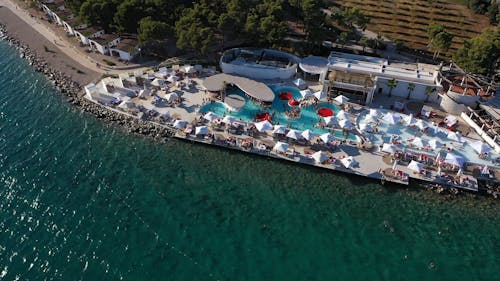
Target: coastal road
{"points": [[62, 44]]}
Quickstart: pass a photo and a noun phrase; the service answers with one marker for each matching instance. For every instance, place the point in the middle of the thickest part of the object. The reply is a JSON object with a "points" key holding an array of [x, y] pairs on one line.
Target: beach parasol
{"points": [[301, 84], [210, 116], [453, 159], [391, 119], [374, 112], [341, 99], [421, 124], [294, 134], [327, 137], [415, 166], [308, 134], [419, 142], [345, 123], [480, 147], [365, 127], [281, 146], [263, 126], [454, 136], [389, 148], [371, 119], [319, 95], [319, 157], [435, 144], [171, 97], [348, 162], [330, 121], [228, 119], [409, 120], [180, 124], [173, 79], [201, 130], [157, 82], [188, 69], [306, 93], [293, 102], [342, 115], [279, 129]]}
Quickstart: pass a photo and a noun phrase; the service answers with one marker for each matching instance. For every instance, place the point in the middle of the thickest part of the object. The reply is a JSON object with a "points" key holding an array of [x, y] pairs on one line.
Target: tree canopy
{"points": [[481, 54], [439, 39]]}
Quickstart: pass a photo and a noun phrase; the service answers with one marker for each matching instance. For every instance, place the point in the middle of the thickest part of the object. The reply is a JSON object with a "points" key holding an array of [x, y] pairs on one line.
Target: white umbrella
{"points": [[365, 127], [347, 162], [454, 136], [421, 124], [389, 148], [485, 170], [342, 115], [173, 79], [435, 144], [415, 166], [319, 157], [210, 116], [201, 130], [409, 120], [319, 95], [306, 93], [281, 146], [450, 120], [171, 97], [327, 137], [263, 126], [158, 82], [126, 104], [301, 84], [418, 142], [373, 112], [308, 134], [188, 69], [453, 159], [279, 129], [480, 147], [391, 119], [395, 164], [228, 119], [330, 121], [341, 99], [294, 134], [345, 123], [180, 124], [371, 119]]}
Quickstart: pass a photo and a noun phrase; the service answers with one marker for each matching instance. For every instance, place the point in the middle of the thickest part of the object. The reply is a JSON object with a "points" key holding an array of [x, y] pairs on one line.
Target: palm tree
{"points": [[428, 92], [411, 87], [393, 83]]}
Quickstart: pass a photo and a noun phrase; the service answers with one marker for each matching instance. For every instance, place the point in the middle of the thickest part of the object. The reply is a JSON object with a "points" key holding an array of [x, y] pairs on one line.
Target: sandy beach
{"points": [[47, 50]]}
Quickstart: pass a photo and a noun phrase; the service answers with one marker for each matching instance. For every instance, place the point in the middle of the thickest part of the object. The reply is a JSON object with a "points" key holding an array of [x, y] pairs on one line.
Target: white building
{"points": [[261, 64]]}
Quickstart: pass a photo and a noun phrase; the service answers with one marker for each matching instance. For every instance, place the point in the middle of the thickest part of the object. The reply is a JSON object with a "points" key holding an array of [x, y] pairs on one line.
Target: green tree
{"points": [[195, 30], [98, 12], [128, 15], [151, 31], [411, 88], [313, 20], [428, 92], [393, 83], [439, 39], [364, 42], [481, 54], [343, 38]]}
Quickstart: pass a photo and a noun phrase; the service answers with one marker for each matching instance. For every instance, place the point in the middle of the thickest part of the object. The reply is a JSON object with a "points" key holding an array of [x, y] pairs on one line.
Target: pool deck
{"points": [[370, 162], [257, 90]]}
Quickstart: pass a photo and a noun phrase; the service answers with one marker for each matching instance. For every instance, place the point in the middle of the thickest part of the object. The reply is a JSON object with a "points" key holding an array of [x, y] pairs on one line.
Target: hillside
{"points": [[407, 20]]}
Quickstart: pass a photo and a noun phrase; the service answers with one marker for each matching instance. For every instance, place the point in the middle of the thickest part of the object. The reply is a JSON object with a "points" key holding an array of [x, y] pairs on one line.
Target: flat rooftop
{"points": [[380, 67], [254, 89]]}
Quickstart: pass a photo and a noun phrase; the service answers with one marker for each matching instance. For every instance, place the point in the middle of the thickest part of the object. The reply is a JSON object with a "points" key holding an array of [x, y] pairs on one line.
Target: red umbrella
{"points": [[285, 96], [293, 103], [325, 112]]}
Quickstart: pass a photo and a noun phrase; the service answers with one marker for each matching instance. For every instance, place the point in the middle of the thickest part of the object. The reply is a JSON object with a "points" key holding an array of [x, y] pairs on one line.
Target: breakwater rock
{"points": [[73, 91]]}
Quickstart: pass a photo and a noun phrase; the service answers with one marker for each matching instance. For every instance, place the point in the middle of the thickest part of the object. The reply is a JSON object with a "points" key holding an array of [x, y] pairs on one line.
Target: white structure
{"points": [[262, 64], [364, 78]]}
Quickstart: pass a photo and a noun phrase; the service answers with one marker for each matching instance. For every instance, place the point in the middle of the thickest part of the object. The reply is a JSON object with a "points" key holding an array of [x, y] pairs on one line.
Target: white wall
{"points": [[259, 72], [480, 132], [101, 49], [122, 54], [464, 99], [85, 40], [401, 90]]}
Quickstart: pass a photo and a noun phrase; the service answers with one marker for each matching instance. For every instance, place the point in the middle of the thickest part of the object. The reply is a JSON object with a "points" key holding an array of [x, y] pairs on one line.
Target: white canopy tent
{"points": [[415, 166], [345, 123], [279, 129], [264, 126], [453, 159], [391, 119], [454, 136], [480, 147], [330, 121], [389, 148], [341, 99], [306, 93], [294, 134], [308, 134], [409, 120], [342, 115], [201, 130], [320, 95], [301, 84], [210, 116], [419, 142], [348, 162], [319, 157], [327, 137], [228, 119], [365, 127], [281, 146], [171, 97], [180, 124], [435, 144]]}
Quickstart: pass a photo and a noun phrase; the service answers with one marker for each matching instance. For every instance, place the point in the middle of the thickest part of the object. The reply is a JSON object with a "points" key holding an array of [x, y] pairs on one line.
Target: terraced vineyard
{"points": [[407, 20]]}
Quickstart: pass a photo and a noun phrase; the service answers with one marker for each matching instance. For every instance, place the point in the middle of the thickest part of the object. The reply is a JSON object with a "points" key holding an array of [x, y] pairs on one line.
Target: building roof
{"points": [[314, 65], [492, 107], [127, 44], [254, 89], [379, 67], [104, 39]]}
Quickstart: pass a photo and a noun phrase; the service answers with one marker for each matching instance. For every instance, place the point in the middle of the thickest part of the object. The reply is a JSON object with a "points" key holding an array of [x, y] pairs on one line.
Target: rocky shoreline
{"points": [[74, 94]]}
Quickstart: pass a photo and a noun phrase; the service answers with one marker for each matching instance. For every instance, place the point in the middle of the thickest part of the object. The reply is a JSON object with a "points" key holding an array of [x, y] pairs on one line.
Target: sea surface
{"points": [[82, 200]]}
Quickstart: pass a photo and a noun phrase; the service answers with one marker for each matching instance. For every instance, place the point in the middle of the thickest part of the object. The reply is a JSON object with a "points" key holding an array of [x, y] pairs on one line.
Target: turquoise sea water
{"points": [[81, 200]]}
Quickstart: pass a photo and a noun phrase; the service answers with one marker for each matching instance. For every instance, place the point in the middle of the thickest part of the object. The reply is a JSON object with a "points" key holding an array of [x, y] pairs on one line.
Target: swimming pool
{"points": [[405, 133], [308, 118]]}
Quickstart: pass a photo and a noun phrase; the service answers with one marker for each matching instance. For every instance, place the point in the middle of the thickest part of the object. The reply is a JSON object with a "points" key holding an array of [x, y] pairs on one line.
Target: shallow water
{"points": [[81, 200]]}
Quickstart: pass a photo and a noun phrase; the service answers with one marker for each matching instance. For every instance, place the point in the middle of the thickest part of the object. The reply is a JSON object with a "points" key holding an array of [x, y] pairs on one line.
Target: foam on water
{"points": [[81, 200]]}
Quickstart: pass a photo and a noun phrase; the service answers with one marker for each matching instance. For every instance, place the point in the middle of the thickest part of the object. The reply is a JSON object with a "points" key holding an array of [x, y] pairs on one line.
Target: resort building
{"points": [[261, 64]]}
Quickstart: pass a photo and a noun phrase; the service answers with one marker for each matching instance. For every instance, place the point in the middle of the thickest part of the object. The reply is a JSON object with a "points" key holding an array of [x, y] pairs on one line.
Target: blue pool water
{"points": [[308, 118]]}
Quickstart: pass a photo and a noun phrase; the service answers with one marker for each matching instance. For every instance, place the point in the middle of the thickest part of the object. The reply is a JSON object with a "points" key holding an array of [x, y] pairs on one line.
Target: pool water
{"points": [[308, 118], [406, 133]]}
